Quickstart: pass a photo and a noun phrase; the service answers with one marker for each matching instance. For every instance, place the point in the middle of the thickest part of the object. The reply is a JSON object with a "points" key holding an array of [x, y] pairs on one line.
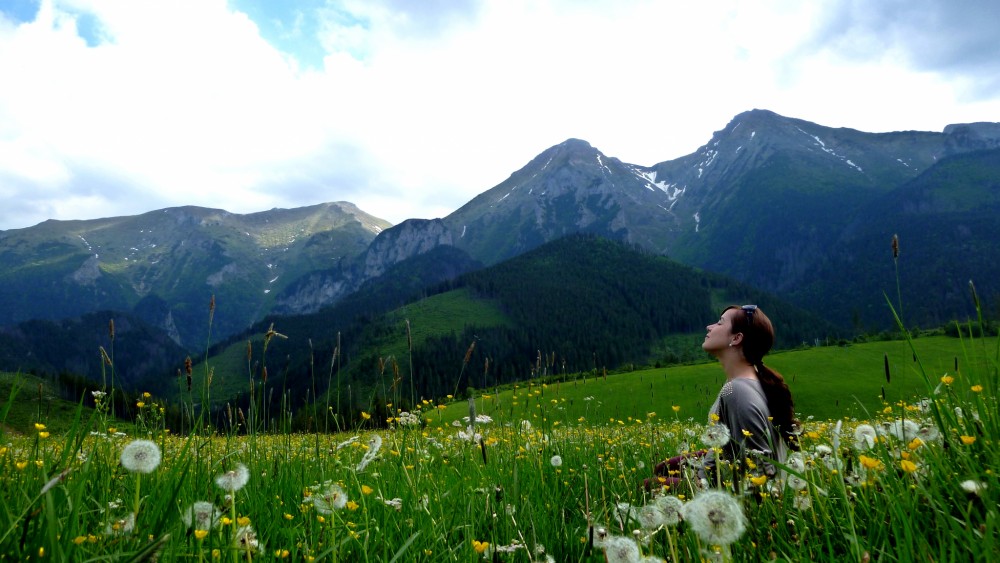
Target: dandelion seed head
{"points": [[330, 499], [556, 461], [234, 479], [802, 502], [121, 527], [201, 515], [671, 508], [928, 433], [904, 430], [141, 456], [716, 517], [716, 436], [865, 437], [796, 462], [245, 539], [973, 487], [619, 549]]}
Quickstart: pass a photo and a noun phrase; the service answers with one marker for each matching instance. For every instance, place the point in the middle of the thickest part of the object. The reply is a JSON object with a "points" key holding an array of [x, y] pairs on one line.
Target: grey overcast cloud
{"points": [[410, 109]]}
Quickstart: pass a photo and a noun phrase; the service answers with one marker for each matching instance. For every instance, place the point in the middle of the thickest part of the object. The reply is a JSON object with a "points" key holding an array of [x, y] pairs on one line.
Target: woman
{"points": [[754, 404]]}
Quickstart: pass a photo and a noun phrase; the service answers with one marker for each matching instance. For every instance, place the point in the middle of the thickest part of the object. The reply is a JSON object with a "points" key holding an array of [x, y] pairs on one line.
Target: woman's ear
{"points": [[736, 339]]}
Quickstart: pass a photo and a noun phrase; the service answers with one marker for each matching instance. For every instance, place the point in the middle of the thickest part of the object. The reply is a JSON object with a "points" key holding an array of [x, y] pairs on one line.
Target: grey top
{"points": [[742, 405]]}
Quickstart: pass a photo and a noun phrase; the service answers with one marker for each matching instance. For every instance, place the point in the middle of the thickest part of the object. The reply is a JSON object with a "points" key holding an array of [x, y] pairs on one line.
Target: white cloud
{"points": [[413, 113]]}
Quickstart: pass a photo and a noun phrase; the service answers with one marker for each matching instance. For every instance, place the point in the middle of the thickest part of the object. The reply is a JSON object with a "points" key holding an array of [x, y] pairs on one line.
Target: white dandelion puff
{"points": [[619, 549], [973, 487], [556, 461], [141, 456], [797, 483], [201, 516], [246, 539], [715, 436], [374, 445], [671, 508], [347, 442], [904, 430], [716, 517], [649, 517], [234, 479], [332, 498], [928, 433], [865, 437], [122, 526], [802, 502], [796, 462]]}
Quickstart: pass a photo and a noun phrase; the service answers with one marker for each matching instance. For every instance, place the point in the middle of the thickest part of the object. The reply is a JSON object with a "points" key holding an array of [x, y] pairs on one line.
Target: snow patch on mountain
{"points": [[819, 142], [604, 166]]}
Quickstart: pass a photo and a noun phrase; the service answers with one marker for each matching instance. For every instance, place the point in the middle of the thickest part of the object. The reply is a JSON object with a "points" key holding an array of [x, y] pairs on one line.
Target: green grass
{"points": [[445, 313], [559, 464], [29, 399], [826, 382]]}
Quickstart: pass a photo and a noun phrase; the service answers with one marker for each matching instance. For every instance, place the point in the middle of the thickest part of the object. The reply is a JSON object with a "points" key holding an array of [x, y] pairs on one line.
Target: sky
{"points": [[410, 108]]}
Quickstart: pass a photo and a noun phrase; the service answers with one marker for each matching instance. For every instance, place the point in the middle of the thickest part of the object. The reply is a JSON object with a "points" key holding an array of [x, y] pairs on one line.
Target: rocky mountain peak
{"points": [[975, 136]]}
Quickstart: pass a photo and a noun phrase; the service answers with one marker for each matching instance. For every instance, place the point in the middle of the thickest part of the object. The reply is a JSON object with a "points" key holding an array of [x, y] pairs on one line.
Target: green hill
{"points": [[573, 305], [827, 383]]}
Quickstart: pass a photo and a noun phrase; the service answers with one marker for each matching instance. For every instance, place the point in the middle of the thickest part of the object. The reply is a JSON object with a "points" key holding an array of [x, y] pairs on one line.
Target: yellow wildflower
{"points": [[968, 440], [977, 388], [870, 462], [908, 466]]}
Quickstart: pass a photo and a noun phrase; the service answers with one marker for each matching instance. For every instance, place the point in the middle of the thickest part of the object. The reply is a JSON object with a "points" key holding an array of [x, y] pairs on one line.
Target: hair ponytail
{"points": [[779, 402]]}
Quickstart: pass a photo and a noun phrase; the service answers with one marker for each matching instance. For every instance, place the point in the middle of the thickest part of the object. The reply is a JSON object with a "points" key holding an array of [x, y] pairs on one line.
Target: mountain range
{"points": [[796, 209]]}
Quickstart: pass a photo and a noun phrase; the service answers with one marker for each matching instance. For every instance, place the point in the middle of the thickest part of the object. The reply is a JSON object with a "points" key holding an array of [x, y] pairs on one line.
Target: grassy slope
{"points": [[27, 408], [827, 383], [439, 314]]}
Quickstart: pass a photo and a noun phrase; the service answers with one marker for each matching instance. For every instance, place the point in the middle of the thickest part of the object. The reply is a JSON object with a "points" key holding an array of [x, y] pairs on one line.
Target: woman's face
{"points": [[720, 333]]}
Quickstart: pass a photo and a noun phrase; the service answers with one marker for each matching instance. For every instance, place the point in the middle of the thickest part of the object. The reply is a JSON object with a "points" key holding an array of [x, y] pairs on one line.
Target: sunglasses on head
{"points": [[749, 310]]}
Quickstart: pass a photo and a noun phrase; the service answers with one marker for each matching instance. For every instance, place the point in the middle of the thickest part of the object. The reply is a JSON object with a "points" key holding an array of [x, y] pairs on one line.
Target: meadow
{"points": [[898, 463]]}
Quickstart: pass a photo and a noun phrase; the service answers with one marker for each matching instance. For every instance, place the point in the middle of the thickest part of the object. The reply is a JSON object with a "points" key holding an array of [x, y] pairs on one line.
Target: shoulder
{"points": [[743, 391]]}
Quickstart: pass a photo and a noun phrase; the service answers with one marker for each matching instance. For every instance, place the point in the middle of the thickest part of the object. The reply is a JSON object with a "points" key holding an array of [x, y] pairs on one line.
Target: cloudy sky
{"points": [[409, 108]]}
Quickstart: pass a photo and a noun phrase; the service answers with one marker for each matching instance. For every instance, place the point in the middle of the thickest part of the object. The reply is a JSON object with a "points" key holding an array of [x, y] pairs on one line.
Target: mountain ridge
{"points": [[762, 201]]}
